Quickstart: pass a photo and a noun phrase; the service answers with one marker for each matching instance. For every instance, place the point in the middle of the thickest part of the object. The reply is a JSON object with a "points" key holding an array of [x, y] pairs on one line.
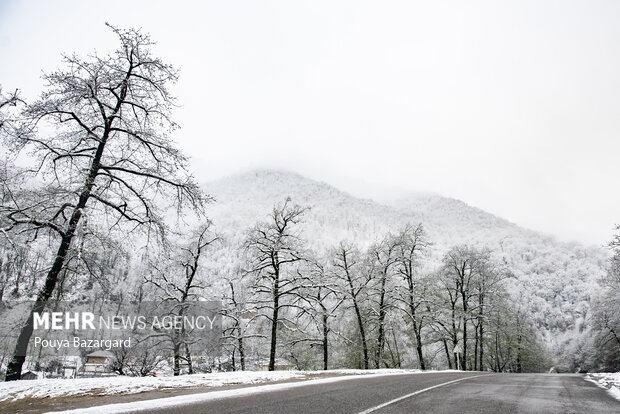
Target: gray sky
{"points": [[513, 107]]}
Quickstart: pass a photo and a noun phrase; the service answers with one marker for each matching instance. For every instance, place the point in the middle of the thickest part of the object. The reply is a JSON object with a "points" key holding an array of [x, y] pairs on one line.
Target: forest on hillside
{"points": [[106, 212]]}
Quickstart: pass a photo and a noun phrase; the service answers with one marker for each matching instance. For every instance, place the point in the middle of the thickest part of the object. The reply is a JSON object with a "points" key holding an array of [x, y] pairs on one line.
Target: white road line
{"points": [[180, 400], [395, 400]]}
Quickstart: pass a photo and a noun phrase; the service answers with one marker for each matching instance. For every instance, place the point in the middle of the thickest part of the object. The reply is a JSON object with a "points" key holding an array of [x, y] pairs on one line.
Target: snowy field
{"points": [[49, 388], [609, 381]]}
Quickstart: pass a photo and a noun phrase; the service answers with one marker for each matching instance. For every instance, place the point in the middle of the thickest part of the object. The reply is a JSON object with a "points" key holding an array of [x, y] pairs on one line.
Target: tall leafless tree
{"points": [[178, 282], [463, 264], [238, 319], [487, 284], [273, 248], [100, 137], [347, 264], [381, 261], [320, 300], [412, 242]]}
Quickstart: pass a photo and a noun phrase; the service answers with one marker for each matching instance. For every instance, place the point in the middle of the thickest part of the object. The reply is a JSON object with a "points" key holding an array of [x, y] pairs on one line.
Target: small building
{"points": [[69, 369], [98, 362], [29, 375], [280, 364]]}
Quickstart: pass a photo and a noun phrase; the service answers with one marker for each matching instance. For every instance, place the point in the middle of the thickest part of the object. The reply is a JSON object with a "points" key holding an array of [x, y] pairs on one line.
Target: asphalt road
{"points": [[484, 393]]}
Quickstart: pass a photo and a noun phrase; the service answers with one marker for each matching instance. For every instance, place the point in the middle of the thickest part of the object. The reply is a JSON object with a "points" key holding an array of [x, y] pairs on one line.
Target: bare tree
{"points": [[145, 359], [605, 316], [273, 248], [412, 243], [347, 263], [239, 319], [463, 265], [443, 312], [141, 359], [178, 283], [382, 258], [486, 285], [320, 300], [100, 137]]}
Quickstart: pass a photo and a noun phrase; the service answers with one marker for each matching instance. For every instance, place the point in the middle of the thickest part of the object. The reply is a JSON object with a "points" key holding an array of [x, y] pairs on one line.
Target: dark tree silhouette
{"points": [[100, 135]]}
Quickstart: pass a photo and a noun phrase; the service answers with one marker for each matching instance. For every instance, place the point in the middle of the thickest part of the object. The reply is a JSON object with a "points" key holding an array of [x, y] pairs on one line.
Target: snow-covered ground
{"points": [[149, 405], [49, 388], [609, 381]]}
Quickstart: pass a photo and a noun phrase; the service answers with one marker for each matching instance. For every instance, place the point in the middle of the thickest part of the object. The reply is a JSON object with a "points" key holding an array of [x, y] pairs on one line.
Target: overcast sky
{"points": [[513, 107]]}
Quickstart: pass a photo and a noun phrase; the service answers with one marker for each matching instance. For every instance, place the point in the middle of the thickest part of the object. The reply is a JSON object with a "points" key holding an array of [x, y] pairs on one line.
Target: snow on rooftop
{"points": [[103, 354]]}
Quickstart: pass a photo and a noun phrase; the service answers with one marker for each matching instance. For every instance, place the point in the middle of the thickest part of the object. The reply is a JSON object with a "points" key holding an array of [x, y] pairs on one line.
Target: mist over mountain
{"points": [[554, 280]]}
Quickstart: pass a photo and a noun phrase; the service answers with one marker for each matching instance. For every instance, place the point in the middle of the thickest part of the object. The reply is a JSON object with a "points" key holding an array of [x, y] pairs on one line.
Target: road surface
{"points": [[467, 392]]}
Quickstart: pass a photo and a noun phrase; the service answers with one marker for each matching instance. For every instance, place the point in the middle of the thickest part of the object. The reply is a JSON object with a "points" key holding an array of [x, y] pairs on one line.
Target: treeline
{"points": [[373, 308], [287, 306], [600, 349], [88, 219]]}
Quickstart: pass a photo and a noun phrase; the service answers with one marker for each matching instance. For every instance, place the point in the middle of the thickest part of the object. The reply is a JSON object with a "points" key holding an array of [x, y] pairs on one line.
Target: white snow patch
{"points": [[181, 400], [608, 380], [50, 388]]}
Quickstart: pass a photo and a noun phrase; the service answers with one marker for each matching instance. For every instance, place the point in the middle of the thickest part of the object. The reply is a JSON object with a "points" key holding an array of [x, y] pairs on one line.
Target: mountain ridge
{"points": [[276, 185], [553, 278]]}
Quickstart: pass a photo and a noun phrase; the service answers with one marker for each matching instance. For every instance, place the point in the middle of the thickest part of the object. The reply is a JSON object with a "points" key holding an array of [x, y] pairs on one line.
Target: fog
{"points": [[511, 107]]}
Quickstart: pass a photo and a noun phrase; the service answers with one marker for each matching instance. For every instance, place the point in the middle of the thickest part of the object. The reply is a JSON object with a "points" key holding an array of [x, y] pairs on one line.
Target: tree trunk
{"points": [[481, 350], [464, 345], [188, 356], [381, 322], [14, 367], [325, 344], [519, 339], [398, 361], [177, 357], [358, 314], [481, 327], [362, 334], [519, 366], [241, 352], [448, 356], [455, 339], [476, 346], [464, 299], [497, 352], [417, 330], [274, 321]]}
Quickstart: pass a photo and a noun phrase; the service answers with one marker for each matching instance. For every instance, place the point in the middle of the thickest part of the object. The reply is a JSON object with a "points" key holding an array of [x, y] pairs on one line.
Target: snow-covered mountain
{"points": [[335, 215], [555, 280]]}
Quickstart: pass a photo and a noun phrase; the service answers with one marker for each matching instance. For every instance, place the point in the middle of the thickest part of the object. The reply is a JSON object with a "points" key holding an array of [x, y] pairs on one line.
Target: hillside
{"points": [[554, 280]]}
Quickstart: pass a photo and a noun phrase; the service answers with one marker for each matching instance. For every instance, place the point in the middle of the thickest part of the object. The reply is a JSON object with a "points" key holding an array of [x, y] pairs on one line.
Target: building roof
{"points": [[101, 354]]}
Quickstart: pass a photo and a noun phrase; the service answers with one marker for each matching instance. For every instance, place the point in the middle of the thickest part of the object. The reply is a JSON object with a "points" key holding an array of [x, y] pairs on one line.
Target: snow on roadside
{"points": [[609, 381], [50, 388], [149, 405]]}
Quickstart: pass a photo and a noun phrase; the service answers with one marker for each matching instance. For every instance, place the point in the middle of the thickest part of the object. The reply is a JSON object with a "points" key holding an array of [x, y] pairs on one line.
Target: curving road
{"points": [[467, 392]]}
